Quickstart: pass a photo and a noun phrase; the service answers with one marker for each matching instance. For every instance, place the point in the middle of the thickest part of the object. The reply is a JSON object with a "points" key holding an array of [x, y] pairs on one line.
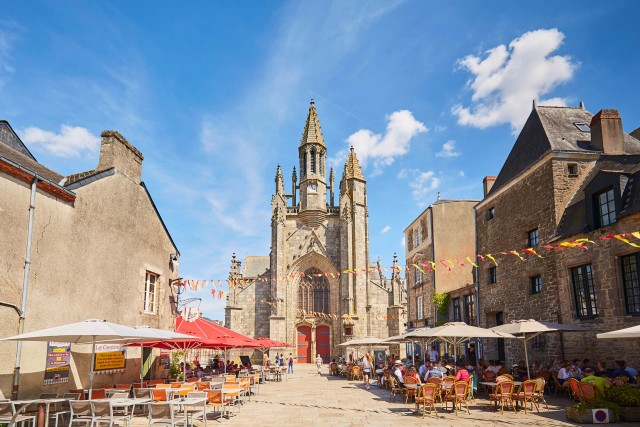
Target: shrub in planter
{"points": [[628, 398], [581, 412]]}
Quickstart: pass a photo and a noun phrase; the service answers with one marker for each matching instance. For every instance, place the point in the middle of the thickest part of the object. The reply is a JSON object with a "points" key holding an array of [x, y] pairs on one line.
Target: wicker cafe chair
{"points": [[575, 389], [557, 386], [396, 390], [527, 394], [427, 396], [504, 371], [458, 396], [587, 391], [410, 392], [470, 395], [447, 383], [438, 383], [356, 373], [503, 395], [540, 391]]}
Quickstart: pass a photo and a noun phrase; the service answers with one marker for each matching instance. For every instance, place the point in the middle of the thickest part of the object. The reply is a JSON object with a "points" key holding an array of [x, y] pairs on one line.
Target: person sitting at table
{"points": [[554, 366], [480, 366], [577, 371], [443, 367], [522, 370], [492, 367], [586, 363], [398, 374], [411, 372], [535, 368], [434, 372], [620, 371], [601, 369], [565, 373], [633, 372], [424, 368], [599, 383], [461, 372]]}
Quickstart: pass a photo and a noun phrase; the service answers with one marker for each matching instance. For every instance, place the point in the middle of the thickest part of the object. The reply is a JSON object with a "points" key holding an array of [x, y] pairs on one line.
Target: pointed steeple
{"points": [[279, 181], [352, 167], [312, 133]]}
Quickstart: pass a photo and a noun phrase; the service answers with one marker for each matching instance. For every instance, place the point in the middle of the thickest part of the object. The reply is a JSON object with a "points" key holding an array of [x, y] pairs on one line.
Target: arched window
{"points": [[313, 161], [313, 292], [303, 164]]}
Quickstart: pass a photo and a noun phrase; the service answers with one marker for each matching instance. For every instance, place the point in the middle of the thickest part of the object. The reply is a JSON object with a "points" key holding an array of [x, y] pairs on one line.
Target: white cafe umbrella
{"points": [[87, 332], [456, 333], [632, 332], [529, 329]]}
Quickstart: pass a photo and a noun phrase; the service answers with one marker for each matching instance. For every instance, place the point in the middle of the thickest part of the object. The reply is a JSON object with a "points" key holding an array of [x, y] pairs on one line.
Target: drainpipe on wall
{"points": [[476, 277], [25, 288]]}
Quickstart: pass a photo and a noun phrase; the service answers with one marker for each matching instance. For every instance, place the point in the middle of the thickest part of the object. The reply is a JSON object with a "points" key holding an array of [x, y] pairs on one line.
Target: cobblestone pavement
{"points": [[306, 398]]}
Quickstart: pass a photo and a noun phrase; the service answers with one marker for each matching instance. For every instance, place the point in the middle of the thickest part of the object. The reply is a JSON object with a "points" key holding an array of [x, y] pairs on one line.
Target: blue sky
{"points": [[215, 95]]}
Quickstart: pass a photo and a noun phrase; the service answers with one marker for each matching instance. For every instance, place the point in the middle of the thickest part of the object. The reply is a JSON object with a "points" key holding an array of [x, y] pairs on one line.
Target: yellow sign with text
{"points": [[109, 360]]}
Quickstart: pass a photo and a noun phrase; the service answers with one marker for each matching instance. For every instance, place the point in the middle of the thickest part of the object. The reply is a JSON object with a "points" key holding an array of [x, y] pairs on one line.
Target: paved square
{"points": [[306, 398]]}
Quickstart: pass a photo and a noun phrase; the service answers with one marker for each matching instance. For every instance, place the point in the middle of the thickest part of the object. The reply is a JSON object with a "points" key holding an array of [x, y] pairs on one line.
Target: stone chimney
{"points": [[487, 184], [117, 152], [606, 132]]}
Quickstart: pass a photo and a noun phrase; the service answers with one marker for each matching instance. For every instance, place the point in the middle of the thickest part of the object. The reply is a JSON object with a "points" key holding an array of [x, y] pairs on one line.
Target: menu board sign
{"points": [[58, 363], [109, 357]]}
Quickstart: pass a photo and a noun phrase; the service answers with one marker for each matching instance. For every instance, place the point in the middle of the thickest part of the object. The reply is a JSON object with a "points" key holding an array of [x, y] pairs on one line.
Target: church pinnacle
{"points": [[312, 133], [352, 167]]}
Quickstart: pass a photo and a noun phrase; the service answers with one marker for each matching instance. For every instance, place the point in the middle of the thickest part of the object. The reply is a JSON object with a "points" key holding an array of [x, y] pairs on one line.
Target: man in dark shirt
{"points": [[620, 371]]}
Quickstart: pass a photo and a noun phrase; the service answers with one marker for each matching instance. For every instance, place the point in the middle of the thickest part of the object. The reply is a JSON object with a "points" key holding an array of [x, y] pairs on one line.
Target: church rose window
{"points": [[313, 292]]}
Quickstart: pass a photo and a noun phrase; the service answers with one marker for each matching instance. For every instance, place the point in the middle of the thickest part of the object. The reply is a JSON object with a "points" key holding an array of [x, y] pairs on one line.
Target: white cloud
{"points": [[507, 79], [461, 173], [72, 141], [386, 229], [421, 183], [382, 150], [448, 150]]}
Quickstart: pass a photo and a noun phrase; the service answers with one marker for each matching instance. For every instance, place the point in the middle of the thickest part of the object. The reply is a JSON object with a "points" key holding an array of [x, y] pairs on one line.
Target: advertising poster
{"points": [[58, 363], [165, 360], [110, 357]]}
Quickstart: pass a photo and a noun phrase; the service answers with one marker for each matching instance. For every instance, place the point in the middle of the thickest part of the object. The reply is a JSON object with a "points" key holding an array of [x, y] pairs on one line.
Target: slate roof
{"points": [[312, 133], [10, 138], [574, 218], [26, 160], [255, 266], [551, 129]]}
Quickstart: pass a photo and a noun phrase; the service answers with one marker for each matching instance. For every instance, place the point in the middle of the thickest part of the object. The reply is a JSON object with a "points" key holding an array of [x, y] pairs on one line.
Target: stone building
{"points": [[441, 234], [98, 249], [318, 287], [570, 175]]}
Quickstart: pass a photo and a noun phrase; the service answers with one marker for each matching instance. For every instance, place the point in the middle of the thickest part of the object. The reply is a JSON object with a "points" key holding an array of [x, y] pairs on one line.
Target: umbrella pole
{"points": [[91, 373], [526, 356], [141, 362], [184, 363]]}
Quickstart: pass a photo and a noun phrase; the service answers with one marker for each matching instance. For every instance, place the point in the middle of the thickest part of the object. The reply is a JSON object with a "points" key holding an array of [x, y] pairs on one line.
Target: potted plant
{"points": [[628, 397], [582, 412]]}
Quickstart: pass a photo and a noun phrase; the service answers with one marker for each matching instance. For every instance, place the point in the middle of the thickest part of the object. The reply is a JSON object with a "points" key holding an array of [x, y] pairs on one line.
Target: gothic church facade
{"points": [[318, 287]]}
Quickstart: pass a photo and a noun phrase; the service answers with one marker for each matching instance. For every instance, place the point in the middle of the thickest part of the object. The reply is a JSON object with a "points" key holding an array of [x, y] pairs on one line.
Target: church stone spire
{"points": [[312, 133], [352, 168], [279, 181]]}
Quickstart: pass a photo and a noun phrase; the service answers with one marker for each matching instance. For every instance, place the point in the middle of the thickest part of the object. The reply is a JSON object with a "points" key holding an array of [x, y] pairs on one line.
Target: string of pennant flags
{"points": [[431, 265]]}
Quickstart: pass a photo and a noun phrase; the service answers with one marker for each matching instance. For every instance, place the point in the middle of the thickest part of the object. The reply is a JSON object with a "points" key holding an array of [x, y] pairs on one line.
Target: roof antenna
{"points": [[438, 196], [582, 105], [535, 104]]}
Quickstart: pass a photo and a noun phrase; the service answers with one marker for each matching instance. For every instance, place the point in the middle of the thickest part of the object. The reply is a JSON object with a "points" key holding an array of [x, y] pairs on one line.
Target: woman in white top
{"points": [[565, 372], [367, 366], [319, 363]]}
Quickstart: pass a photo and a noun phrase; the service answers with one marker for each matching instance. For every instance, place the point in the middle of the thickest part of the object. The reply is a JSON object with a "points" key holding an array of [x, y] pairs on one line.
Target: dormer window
{"points": [[491, 213], [582, 127], [605, 205]]}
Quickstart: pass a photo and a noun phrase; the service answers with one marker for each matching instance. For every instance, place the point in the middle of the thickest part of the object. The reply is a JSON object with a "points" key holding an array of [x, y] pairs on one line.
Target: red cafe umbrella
{"points": [[269, 343]]}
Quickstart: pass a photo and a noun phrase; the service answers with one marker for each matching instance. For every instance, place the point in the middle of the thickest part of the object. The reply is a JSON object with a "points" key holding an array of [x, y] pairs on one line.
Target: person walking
{"points": [[319, 364], [290, 370], [367, 367]]}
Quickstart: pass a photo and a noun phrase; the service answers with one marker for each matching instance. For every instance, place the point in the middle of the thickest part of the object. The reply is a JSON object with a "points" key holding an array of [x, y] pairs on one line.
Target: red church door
{"points": [[323, 341], [304, 344]]}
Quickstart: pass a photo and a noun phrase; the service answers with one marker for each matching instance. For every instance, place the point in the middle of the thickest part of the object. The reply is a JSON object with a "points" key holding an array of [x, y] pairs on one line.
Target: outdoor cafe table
{"points": [[43, 408], [493, 385]]}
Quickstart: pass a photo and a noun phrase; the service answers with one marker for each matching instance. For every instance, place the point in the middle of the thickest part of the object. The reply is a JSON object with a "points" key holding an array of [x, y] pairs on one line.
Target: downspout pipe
{"points": [[477, 277], [25, 289]]}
